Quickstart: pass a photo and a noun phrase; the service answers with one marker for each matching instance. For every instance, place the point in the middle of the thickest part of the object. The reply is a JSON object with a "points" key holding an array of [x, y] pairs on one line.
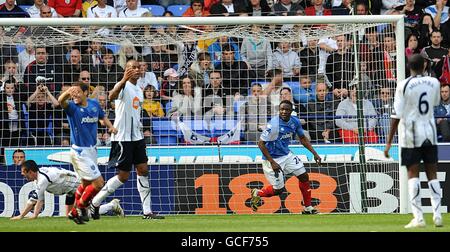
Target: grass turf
{"points": [[230, 223]]}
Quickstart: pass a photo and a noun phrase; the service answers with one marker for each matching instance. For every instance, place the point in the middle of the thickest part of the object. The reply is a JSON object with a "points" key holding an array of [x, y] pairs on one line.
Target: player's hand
{"points": [[386, 150], [113, 130], [18, 217], [318, 159], [275, 167], [129, 72]]}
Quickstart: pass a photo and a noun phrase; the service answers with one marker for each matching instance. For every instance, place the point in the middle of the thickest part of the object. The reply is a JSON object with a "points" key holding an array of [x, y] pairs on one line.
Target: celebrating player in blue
{"points": [[280, 161], [83, 115]]}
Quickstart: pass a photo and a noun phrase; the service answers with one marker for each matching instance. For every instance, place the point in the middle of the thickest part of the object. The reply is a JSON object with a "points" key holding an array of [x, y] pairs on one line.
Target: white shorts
{"points": [[84, 161], [290, 164]]}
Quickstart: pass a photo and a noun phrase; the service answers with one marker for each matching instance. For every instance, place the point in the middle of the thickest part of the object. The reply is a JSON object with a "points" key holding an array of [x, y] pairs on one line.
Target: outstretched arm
{"points": [[25, 211]]}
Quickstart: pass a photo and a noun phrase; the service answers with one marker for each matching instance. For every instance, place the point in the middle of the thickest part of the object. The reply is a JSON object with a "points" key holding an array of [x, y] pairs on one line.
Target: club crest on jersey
{"points": [[136, 102]]}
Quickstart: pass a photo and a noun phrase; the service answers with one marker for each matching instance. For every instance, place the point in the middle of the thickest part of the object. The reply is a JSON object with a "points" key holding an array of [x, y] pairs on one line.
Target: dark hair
{"points": [[18, 151], [105, 50], [83, 86], [203, 55], [197, 1], [434, 31], [227, 47], [167, 12], [416, 63], [286, 88], [210, 73], [287, 102], [257, 84], [30, 165]]}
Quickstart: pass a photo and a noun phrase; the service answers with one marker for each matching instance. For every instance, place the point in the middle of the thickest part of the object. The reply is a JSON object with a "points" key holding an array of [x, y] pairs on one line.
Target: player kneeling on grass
{"points": [[59, 182], [280, 161], [83, 115]]}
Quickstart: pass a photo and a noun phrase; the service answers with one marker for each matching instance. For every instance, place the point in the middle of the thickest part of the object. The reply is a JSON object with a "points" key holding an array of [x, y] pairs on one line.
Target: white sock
{"points": [[110, 186], [105, 208], [414, 198], [435, 190], [144, 191]]}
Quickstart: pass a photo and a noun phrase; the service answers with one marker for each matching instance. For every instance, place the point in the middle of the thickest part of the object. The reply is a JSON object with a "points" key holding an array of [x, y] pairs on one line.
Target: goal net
{"points": [[210, 87]]}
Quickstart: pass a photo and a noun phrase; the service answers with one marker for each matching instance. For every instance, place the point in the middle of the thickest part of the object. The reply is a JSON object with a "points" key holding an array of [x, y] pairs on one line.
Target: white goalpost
{"points": [[202, 149]]}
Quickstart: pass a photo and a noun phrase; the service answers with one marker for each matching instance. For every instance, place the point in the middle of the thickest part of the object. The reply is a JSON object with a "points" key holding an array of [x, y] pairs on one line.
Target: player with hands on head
{"points": [[279, 161], [83, 115], [413, 116], [128, 147]]}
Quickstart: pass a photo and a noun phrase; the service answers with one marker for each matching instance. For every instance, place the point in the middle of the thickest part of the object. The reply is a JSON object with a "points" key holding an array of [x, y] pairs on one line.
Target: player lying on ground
{"points": [[83, 115], [279, 161], [59, 182], [414, 101]]}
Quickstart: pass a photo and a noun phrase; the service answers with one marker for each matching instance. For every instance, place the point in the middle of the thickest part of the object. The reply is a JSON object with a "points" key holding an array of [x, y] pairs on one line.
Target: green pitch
{"points": [[231, 223]]}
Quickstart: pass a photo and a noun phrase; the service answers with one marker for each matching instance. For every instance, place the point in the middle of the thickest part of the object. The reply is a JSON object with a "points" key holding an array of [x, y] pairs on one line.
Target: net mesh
{"points": [[202, 130]]}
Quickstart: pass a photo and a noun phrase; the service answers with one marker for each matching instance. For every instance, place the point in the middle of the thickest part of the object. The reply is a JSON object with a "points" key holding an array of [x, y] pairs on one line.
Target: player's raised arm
{"points": [[64, 97], [114, 93]]}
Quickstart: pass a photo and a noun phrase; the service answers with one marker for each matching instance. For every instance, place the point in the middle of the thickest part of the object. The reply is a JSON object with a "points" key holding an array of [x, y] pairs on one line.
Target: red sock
{"points": [[266, 192], [78, 194], [306, 192], [89, 193]]}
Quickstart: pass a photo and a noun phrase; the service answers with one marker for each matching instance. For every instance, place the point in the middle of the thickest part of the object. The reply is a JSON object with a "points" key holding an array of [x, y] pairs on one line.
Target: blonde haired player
{"points": [[413, 115]]}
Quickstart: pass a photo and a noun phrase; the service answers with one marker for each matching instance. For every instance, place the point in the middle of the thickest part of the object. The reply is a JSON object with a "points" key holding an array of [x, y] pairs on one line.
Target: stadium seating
{"points": [[156, 10], [178, 10]]}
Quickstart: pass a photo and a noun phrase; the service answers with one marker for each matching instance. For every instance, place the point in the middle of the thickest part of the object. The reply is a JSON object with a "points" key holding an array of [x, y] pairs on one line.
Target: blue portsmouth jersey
{"points": [[83, 122], [278, 134]]}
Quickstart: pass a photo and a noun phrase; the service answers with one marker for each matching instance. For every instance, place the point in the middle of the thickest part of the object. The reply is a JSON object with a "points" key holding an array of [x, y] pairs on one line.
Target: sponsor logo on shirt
{"points": [[289, 135], [136, 102], [89, 120]]}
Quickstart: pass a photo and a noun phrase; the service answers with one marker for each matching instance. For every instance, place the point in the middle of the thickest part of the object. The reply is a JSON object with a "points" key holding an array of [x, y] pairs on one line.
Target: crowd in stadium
{"points": [[194, 79]]}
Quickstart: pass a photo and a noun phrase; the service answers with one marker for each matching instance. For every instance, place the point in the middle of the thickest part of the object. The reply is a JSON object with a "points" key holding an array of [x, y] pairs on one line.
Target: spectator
{"points": [[425, 28], [18, 157], [199, 70], [327, 46], [73, 68], [384, 106], [188, 101], [373, 6], [286, 94], [348, 123], [10, 116], [309, 58], [159, 60], [340, 67], [166, 3], [412, 45], [317, 9], [439, 12], [127, 52], [93, 57], [344, 9], [26, 56], [120, 5], [273, 89], [442, 110], [35, 10], [151, 104], [215, 50], [287, 8], [435, 52], [43, 68], [187, 54], [227, 7], [362, 8], [257, 111], [307, 91], [235, 73], [197, 9], [256, 52], [287, 60], [169, 86], [412, 12], [10, 73], [66, 8], [40, 111], [388, 6], [108, 72], [146, 78], [214, 96], [101, 10], [87, 4], [320, 114], [258, 8], [10, 10], [132, 10]]}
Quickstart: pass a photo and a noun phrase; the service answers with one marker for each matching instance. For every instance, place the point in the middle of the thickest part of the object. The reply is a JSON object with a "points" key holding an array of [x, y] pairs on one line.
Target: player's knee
{"points": [[303, 177], [123, 176]]}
